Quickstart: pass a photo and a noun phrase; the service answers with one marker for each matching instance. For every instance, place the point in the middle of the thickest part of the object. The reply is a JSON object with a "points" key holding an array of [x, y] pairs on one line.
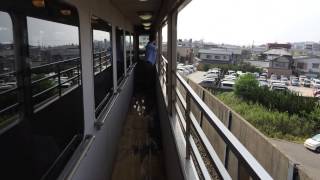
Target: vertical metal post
{"points": [[159, 49], [59, 79], [131, 47], [23, 68], [78, 70], [172, 60], [114, 59], [201, 112], [188, 124], [227, 150], [100, 61], [124, 54]]}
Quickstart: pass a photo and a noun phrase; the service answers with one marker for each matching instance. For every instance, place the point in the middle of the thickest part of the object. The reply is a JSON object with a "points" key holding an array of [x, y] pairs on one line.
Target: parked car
{"points": [[263, 78], [313, 143], [256, 74], [315, 83], [293, 77], [273, 77], [278, 87], [208, 82], [302, 77], [284, 80], [231, 72], [306, 83], [212, 72], [263, 83], [295, 82], [227, 85]]}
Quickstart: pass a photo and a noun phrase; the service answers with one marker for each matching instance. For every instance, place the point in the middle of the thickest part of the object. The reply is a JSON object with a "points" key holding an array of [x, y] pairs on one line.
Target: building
{"points": [[219, 55], [279, 58], [275, 53], [286, 46], [307, 65], [281, 65]]}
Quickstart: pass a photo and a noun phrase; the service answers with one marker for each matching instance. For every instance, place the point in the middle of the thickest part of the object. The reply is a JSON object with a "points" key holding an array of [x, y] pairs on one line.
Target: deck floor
{"points": [[140, 151]]}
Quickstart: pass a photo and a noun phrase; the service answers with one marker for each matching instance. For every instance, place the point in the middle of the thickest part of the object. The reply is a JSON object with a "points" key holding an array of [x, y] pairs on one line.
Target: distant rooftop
{"points": [[279, 52], [224, 51]]}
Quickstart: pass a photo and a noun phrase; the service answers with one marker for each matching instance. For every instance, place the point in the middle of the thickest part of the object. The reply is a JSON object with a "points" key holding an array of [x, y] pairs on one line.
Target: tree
{"points": [[246, 87]]}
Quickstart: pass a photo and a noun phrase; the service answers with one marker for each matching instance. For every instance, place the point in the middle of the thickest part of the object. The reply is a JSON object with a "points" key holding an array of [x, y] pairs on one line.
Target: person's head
{"points": [[152, 38]]}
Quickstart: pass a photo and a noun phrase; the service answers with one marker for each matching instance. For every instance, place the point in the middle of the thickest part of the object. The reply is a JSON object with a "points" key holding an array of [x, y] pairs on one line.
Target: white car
{"points": [[227, 84], [313, 143], [316, 83]]}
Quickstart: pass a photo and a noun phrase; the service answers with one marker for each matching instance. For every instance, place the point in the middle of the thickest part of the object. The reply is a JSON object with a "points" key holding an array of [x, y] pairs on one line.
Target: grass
{"points": [[272, 123]]}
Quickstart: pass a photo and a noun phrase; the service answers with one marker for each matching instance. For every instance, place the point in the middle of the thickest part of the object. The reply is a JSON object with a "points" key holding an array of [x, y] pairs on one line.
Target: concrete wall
{"points": [[98, 163], [275, 162]]}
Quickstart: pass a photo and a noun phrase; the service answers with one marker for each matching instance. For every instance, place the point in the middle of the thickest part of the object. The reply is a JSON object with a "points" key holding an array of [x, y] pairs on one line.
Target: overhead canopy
{"points": [[158, 8]]}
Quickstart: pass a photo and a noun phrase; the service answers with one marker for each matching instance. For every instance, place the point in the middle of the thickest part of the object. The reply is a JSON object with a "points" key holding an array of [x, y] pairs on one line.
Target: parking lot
{"points": [[198, 76]]}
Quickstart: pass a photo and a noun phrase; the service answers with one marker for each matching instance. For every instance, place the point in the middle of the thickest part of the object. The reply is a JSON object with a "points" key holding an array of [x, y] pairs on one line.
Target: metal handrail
{"points": [[99, 60], [58, 74], [243, 155], [55, 63]]}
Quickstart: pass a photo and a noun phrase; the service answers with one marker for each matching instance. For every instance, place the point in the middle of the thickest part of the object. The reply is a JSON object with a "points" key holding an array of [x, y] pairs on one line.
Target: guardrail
{"points": [[197, 142], [101, 61], [58, 76]]}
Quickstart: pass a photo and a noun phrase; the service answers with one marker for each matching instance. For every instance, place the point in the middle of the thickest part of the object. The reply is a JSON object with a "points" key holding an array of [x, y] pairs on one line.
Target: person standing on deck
{"points": [[151, 51]]}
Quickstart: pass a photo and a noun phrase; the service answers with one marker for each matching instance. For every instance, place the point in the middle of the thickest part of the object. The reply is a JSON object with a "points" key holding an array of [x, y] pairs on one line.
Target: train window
{"points": [[120, 55], [102, 63], [132, 49], [8, 80], [128, 49], [44, 66], [164, 40], [55, 59]]}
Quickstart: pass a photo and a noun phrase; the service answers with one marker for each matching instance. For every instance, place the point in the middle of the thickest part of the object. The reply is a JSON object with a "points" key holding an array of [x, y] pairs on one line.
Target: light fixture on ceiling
{"points": [[143, 0], [38, 3], [95, 17], [145, 15], [146, 24], [147, 28], [65, 12]]}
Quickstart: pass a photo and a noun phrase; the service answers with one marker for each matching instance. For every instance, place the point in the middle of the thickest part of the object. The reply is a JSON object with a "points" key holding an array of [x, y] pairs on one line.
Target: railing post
{"points": [[188, 124], [227, 151], [59, 79], [201, 112], [78, 70], [100, 61]]}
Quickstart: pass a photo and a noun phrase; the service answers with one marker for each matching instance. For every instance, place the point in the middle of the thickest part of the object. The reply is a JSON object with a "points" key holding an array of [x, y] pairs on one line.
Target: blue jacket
{"points": [[151, 53]]}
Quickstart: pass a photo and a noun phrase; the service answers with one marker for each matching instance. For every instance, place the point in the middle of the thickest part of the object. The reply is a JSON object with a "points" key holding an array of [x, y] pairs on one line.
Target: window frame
{"points": [[101, 104]]}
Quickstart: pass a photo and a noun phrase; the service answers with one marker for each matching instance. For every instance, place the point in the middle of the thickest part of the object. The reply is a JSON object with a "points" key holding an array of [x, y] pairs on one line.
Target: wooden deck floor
{"points": [[140, 152]]}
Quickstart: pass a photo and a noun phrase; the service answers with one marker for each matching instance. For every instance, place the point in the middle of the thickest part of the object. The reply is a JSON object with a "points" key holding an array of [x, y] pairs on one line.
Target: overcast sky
{"points": [[243, 21]]}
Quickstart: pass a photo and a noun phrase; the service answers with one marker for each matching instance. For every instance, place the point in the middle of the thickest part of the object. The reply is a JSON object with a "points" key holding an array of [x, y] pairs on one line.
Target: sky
{"points": [[244, 22]]}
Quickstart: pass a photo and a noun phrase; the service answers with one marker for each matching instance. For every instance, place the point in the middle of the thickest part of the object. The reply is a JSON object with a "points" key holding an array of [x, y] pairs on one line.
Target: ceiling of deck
{"points": [[130, 8]]}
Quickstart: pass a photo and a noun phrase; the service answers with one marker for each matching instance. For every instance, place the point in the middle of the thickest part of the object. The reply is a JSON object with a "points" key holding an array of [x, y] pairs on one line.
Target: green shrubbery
{"points": [[273, 123], [283, 115], [247, 88], [244, 67]]}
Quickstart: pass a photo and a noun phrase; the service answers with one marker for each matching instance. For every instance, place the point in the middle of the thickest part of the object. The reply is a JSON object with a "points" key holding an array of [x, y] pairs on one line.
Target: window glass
{"points": [[128, 48], [8, 79], [102, 63], [132, 49], [55, 59], [102, 50], [44, 73], [120, 56], [164, 40]]}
